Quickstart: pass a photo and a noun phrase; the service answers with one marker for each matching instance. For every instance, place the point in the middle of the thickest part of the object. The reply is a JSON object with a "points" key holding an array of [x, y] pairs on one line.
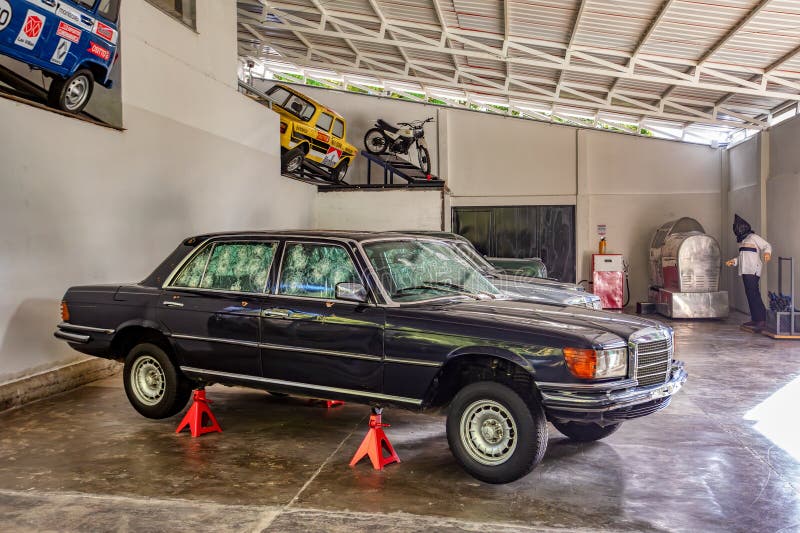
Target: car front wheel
{"points": [[292, 160], [153, 385], [583, 432], [73, 93], [494, 434]]}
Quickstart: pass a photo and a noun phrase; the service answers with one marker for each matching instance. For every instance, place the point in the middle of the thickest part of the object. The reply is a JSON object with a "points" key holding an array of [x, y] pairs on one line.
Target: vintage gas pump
{"points": [[608, 275]]}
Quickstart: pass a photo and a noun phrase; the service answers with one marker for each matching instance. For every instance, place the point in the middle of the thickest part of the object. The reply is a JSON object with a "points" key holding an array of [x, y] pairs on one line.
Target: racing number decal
{"points": [[5, 14]]}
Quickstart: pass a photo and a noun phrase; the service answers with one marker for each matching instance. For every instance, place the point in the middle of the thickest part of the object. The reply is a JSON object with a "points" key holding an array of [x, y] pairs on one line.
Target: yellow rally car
{"points": [[311, 134]]}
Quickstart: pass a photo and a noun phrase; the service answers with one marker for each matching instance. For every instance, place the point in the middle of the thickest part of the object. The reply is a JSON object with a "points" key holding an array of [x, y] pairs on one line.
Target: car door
{"points": [[310, 338], [213, 304]]}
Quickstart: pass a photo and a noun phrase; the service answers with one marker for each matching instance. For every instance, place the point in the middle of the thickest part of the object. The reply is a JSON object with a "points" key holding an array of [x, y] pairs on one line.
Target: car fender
{"points": [[95, 67], [143, 323], [491, 351]]}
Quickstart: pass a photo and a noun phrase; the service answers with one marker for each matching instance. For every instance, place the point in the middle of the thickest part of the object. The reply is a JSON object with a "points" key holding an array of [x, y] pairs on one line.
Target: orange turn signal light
{"points": [[64, 311], [581, 362]]}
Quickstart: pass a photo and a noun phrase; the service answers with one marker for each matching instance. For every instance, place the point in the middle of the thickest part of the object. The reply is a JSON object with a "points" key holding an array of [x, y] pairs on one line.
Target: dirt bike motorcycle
{"points": [[385, 138]]}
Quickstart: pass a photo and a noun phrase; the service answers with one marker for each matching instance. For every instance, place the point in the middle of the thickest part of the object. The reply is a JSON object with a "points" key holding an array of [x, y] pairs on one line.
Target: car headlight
{"points": [[597, 364]]}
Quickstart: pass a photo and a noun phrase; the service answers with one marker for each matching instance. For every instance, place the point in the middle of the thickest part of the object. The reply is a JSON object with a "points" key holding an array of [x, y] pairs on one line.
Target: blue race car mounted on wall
{"points": [[72, 42]]}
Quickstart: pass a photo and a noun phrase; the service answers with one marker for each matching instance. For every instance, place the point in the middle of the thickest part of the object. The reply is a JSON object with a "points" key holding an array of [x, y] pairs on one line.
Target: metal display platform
{"points": [[395, 166], [20, 89]]}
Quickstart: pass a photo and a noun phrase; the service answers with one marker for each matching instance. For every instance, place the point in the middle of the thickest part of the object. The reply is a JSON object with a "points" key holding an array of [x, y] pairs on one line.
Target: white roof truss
{"points": [[649, 60]]}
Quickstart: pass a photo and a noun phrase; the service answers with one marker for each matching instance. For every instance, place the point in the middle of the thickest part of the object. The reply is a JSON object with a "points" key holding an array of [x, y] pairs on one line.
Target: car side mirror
{"points": [[351, 292]]}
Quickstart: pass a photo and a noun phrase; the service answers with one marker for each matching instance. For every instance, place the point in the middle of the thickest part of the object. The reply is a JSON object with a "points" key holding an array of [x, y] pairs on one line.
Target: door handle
{"points": [[172, 304], [275, 313], [289, 314]]}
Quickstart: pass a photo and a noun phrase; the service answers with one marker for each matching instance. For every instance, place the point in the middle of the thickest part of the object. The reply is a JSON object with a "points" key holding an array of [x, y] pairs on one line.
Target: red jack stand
{"points": [[333, 403], [375, 443], [194, 416]]}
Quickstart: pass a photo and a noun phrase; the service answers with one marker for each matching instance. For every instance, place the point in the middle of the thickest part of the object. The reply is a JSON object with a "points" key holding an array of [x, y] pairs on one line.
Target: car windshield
{"points": [[477, 259], [416, 270], [291, 102]]}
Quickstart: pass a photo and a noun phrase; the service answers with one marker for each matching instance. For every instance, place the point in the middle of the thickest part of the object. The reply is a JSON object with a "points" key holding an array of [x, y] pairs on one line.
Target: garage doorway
{"points": [[544, 231]]}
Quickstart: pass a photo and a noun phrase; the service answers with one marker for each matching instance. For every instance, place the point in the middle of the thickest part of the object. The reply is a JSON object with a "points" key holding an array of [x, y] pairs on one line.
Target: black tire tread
{"points": [[178, 387], [366, 144], [58, 85], [530, 419], [585, 432]]}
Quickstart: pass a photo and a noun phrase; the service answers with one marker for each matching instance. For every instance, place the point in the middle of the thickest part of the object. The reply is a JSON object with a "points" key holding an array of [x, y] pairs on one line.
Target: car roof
{"points": [[316, 103], [351, 235]]}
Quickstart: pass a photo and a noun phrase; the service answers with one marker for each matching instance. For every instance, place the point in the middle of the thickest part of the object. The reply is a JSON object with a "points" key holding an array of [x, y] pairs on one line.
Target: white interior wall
{"points": [[633, 185], [84, 204], [744, 199], [783, 196], [379, 210]]}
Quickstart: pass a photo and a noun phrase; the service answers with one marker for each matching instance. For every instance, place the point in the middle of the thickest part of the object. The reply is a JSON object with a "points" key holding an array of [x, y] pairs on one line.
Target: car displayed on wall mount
{"points": [[381, 319], [311, 134], [74, 42]]}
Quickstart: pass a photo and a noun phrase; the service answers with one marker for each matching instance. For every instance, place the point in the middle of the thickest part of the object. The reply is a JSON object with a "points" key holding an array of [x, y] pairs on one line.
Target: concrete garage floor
{"points": [[86, 461]]}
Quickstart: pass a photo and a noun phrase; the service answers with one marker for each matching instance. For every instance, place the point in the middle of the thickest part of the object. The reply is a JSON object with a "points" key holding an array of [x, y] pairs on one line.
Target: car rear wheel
{"points": [[339, 172], [375, 142], [153, 385], [494, 434], [583, 432], [73, 93]]}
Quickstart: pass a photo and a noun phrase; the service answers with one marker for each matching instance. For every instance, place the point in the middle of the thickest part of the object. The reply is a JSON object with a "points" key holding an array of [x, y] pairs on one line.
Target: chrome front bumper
{"points": [[610, 400]]}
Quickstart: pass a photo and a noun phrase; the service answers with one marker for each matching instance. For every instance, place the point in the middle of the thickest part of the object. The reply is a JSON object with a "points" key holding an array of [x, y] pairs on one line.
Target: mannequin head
{"points": [[741, 228]]}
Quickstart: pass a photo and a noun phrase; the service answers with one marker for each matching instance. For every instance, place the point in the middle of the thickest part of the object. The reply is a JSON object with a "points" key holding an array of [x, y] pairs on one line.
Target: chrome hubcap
{"points": [[294, 164], [488, 432], [76, 93], [148, 381]]}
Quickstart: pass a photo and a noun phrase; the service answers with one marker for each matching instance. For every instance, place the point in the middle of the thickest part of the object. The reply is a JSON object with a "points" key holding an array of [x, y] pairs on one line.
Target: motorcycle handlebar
{"points": [[416, 122]]}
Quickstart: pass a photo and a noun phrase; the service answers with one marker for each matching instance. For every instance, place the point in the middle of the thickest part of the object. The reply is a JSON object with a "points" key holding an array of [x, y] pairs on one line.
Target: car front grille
{"points": [[654, 359]]}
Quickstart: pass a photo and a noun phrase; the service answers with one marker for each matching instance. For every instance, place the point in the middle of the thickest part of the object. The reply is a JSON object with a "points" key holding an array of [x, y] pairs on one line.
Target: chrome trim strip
{"points": [[319, 351], [251, 344], [72, 337], [294, 384], [67, 325], [605, 386], [418, 362]]}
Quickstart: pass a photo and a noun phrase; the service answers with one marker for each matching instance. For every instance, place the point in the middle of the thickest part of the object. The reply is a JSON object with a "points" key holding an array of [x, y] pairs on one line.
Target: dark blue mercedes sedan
{"points": [[381, 319]]}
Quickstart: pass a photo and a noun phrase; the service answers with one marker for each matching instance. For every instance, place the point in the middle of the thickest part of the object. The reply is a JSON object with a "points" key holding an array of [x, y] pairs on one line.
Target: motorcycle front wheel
{"points": [[375, 142], [424, 159]]}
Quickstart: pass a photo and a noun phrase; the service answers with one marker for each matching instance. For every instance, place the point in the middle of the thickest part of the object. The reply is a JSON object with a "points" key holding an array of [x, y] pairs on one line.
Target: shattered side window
{"points": [[192, 273], [314, 270], [241, 267]]}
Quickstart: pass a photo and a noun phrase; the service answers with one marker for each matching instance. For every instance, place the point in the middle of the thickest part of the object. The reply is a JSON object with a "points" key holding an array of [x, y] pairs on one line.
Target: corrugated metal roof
{"points": [[722, 63]]}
